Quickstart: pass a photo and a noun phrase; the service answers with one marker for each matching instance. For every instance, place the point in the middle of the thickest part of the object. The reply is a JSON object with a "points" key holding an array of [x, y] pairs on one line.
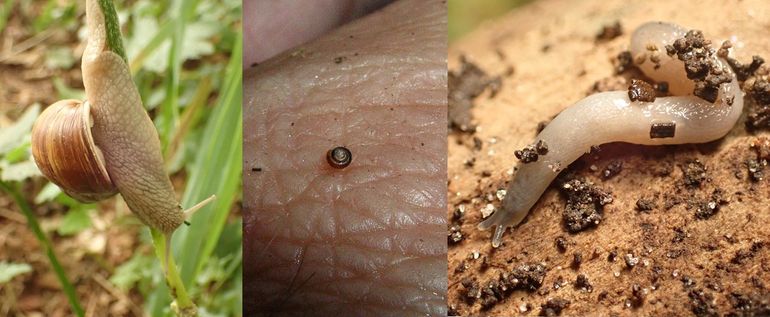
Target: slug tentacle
{"points": [[613, 117]]}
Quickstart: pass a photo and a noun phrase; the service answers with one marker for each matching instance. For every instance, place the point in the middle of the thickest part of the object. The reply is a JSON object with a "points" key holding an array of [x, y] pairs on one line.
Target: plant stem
{"points": [[112, 26], [46, 244], [182, 305]]}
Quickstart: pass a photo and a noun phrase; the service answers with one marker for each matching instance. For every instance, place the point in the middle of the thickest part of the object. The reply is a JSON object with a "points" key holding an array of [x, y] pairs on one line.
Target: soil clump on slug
{"points": [[698, 243]]}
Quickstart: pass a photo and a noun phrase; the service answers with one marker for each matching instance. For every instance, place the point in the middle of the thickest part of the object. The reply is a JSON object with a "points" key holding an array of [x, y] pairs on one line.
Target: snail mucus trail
{"points": [[108, 144], [705, 103]]}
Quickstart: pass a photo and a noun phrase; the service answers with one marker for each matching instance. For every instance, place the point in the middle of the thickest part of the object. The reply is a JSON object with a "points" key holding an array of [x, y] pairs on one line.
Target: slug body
{"points": [[613, 117], [123, 131]]}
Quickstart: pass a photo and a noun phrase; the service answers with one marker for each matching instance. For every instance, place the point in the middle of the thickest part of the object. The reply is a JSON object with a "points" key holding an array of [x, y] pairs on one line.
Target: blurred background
{"points": [[465, 15], [185, 56]]}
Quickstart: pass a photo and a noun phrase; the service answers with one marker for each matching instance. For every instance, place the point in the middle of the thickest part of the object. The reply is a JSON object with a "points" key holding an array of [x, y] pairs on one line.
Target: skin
{"points": [[310, 19], [367, 239], [572, 133]]}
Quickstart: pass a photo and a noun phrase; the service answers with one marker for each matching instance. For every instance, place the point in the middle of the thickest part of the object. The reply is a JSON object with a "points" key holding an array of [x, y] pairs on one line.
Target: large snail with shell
{"points": [[106, 145]]}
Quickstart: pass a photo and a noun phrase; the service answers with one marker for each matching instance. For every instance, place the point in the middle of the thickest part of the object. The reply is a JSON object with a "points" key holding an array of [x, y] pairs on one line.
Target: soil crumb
{"points": [[609, 32], [531, 153], [696, 53], [553, 307], [585, 203], [640, 90], [465, 85], [694, 173], [759, 113]]}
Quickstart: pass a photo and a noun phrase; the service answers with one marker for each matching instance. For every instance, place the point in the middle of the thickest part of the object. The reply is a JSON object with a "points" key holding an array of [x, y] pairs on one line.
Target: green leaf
{"points": [[74, 221], [197, 40], [11, 137], [139, 267], [10, 270], [216, 171], [48, 193], [59, 58], [65, 92], [18, 154], [18, 171]]}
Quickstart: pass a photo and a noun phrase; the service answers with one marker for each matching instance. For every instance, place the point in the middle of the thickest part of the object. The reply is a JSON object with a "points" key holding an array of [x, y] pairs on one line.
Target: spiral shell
{"points": [[64, 150]]}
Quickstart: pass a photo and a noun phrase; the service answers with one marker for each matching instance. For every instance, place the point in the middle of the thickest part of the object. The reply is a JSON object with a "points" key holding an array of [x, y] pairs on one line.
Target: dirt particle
{"points": [[577, 259], [452, 311], [455, 234], [561, 244], [582, 283], [645, 205], [612, 169], [701, 303], [527, 276], [256, 169], [759, 113], [630, 260], [609, 32], [694, 173], [724, 49], [742, 255], [756, 169], [531, 153], [742, 71], [471, 289], [553, 307], [706, 208], [625, 61], [637, 295], [477, 143], [744, 305], [585, 203], [696, 53], [458, 213], [679, 235], [612, 256], [339, 59], [640, 90], [465, 85]]}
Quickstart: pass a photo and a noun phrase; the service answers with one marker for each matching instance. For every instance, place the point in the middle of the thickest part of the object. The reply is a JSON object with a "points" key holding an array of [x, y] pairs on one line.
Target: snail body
{"points": [[107, 144]]}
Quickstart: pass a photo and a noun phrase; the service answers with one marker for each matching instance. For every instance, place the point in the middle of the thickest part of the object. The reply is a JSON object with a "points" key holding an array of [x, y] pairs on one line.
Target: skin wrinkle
{"points": [[373, 232]]}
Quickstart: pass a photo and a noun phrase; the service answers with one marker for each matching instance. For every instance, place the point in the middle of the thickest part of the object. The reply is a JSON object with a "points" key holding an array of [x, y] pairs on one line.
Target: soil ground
{"points": [[685, 233]]}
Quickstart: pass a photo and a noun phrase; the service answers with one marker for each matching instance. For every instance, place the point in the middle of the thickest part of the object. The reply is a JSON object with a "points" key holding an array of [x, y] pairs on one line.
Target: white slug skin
{"points": [[612, 117]]}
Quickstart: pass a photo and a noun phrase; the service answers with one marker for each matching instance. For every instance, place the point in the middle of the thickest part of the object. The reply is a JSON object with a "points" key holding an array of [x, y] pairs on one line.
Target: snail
{"points": [[107, 144], [339, 157], [704, 106]]}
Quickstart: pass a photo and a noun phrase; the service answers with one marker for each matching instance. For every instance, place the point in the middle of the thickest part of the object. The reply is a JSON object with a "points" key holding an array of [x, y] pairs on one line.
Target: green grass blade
{"points": [[216, 171], [163, 34], [5, 12], [69, 290]]}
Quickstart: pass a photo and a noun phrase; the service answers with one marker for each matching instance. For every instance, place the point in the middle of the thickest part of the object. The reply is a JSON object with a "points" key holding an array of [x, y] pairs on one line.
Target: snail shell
{"points": [[64, 150]]}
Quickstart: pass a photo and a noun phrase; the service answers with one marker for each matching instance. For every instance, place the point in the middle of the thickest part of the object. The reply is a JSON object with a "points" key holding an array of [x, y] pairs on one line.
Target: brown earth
{"points": [[672, 242]]}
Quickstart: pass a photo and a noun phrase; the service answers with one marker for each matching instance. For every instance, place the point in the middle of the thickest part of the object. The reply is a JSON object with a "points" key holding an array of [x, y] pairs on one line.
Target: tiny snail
{"points": [[339, 157], [107, 144], [704, 105]]}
